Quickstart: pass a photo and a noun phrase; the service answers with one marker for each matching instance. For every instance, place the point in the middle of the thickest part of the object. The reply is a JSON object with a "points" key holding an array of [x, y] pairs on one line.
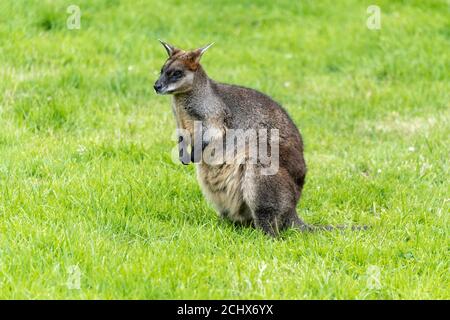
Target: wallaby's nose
{"points": [[157, 87]]}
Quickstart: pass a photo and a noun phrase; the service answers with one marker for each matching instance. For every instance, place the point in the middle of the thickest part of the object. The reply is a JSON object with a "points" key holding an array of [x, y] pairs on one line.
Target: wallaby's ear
{"points": [[197, 54], [169, 48]]}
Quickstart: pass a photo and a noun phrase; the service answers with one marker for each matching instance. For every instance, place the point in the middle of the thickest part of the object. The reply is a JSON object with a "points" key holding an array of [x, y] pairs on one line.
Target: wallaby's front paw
{"points": [[185, 159], [196, 155]]}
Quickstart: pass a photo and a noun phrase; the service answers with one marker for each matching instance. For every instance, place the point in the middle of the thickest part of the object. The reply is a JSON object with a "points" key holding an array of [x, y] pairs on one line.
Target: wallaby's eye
{"points": [[176, 74]]}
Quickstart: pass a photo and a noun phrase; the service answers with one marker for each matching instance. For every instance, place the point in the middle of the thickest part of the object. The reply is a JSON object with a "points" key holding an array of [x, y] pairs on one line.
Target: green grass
{"points": [[86, 177]]}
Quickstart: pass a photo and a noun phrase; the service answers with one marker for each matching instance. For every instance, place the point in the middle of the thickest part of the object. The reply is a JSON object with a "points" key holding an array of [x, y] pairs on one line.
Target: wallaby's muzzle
{"points": [[158, 87]]}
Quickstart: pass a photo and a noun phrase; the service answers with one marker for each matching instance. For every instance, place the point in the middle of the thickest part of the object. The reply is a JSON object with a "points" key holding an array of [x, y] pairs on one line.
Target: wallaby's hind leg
{"points": [[292, 220], [272, 222], [272, 200], [266, 220]]}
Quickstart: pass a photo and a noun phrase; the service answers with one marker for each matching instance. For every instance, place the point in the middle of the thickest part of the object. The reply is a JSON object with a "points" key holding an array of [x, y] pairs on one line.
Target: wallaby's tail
{"points": [[331, 228], [304, 227]]}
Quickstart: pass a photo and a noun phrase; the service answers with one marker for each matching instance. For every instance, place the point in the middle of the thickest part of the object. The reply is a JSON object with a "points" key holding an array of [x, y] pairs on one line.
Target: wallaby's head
{"points": [[178, 72]]}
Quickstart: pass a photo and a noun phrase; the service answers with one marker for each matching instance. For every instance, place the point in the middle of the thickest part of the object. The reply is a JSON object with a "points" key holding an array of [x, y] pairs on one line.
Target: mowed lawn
{"points": [[88, 190]]}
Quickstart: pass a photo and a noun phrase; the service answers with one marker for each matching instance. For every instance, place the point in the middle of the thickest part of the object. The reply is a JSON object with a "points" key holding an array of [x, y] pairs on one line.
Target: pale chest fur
{"points": [[221, 184], [224, 186]]}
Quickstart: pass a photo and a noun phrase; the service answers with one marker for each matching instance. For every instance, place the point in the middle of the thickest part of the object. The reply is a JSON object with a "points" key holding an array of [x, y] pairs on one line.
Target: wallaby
{"points": [[239, 191]]}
